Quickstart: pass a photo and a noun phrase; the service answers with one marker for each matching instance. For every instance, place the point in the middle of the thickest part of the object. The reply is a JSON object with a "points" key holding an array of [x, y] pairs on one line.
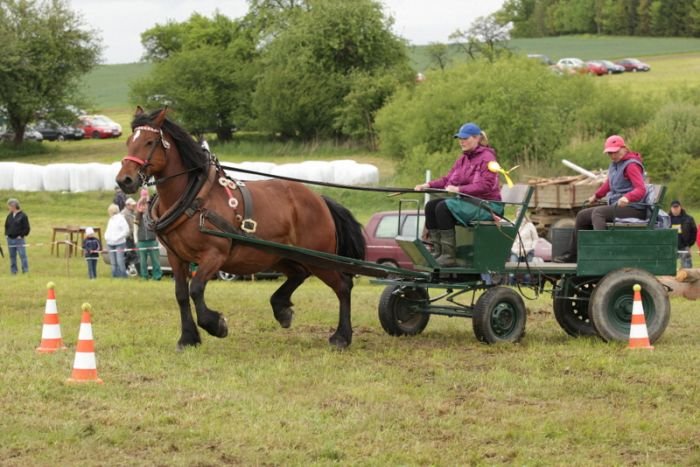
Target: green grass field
{"points": [[265, 395], [584, 47]]}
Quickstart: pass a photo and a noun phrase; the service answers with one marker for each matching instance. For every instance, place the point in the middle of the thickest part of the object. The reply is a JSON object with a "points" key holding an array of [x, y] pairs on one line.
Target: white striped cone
{"points": [[85, 365], [51, 339], [639, 337]]}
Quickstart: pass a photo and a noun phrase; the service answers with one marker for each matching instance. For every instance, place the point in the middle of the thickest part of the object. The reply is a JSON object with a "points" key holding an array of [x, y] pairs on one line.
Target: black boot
{"points": [[447, 258], [434, 236]]}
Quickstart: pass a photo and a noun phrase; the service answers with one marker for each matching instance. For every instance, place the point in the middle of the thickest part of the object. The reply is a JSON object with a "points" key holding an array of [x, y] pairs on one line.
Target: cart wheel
{"points": [[610, 307], [572, 312], [397, 313], [499, 316]]}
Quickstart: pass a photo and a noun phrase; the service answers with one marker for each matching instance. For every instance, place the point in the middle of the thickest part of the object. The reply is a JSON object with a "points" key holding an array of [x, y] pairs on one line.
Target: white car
{"points": [[571, 65]]}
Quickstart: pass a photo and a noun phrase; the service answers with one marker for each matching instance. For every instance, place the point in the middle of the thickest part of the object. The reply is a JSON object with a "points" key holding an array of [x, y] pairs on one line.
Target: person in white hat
{"points": [[91, 251]]}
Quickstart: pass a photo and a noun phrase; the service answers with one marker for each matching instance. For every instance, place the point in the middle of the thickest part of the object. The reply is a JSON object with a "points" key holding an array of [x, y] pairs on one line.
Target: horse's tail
{"points": [[351, 242]]}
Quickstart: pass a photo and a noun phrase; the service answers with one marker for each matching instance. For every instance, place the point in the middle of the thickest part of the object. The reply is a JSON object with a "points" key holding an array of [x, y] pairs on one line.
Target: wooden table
{"points": [[72, 240]]}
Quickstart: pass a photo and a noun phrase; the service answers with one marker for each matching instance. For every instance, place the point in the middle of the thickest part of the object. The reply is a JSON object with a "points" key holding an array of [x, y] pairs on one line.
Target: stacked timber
{"points": [[686, 283], [556, 201], [566, 192]]}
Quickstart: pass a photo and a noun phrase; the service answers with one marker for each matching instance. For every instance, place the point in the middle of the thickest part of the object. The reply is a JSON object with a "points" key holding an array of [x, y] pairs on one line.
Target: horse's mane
{"points": [[191, 152]]}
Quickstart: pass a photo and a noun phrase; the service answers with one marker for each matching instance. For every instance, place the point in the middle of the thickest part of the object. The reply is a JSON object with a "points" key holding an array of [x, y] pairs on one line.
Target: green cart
{"points": [[591, 297]]}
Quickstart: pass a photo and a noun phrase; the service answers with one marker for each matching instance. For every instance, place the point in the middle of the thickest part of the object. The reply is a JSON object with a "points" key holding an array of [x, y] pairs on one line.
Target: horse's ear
{"points": [[158, 122], [139, 111]]}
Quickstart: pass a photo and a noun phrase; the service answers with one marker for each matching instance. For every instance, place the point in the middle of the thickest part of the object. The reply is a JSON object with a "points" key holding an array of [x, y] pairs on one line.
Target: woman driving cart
{"points": [[471, 176]]}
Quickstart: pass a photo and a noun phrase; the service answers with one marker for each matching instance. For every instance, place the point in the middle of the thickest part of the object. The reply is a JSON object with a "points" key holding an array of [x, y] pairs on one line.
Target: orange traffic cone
{"points": [[84, 365], [51, 340], [639, 337]]}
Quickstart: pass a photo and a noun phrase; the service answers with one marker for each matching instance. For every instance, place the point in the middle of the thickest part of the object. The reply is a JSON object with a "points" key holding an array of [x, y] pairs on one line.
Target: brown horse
{"points": [[195, 193]]}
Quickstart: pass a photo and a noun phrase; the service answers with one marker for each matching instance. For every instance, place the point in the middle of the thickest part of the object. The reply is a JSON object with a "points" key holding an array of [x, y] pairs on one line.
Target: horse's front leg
{"points": [[189, 334], [211, 321]]}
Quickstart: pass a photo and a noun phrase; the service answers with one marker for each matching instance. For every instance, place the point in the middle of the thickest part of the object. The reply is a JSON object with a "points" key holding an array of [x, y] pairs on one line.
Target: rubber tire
{"points": [[395, 317], [95, 135], [572, 317], [610, 307], [499, 316]]}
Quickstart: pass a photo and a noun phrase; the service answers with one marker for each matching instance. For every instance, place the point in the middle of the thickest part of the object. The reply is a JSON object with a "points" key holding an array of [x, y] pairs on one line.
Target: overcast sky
{"points": [[121, 22]]}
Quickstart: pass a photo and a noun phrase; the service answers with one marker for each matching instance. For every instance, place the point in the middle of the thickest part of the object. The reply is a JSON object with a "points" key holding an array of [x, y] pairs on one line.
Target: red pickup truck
{"points": [[380, 232]]}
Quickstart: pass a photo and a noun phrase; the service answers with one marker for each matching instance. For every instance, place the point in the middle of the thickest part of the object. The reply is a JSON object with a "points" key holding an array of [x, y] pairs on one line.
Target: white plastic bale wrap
{"points": [[28, 177], [265, 167], [349, 172], [7, 174], [109, 175], [87, 177], [322, 171], [57, 177]]}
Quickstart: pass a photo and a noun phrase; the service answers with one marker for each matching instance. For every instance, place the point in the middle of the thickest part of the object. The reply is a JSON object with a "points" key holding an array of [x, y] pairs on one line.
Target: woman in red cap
{"points": [[625, 188], [470, 176]]}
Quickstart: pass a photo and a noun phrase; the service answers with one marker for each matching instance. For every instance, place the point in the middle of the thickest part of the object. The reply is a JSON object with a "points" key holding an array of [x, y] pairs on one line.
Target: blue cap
{"points": [[467, 130]]}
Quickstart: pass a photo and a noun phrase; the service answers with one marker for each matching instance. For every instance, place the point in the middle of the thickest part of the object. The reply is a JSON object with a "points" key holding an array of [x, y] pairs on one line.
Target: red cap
{"points": [[614, 144]]}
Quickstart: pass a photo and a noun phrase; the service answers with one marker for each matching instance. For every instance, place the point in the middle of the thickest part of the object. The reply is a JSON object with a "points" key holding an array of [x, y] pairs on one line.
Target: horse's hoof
{"points": [[182, 345], [339, 342], [223, 327], [285, 317]]}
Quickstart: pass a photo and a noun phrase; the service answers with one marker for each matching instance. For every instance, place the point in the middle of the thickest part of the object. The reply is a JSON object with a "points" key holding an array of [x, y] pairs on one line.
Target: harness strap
{"points": [[247, 224]]}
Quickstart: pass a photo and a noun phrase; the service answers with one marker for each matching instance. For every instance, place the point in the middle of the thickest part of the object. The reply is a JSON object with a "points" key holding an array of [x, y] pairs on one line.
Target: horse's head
{"points": [[147, 150]]}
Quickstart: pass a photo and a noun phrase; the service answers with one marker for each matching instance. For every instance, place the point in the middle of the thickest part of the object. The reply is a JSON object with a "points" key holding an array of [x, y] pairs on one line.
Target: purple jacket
{"points": [[471, 174]]}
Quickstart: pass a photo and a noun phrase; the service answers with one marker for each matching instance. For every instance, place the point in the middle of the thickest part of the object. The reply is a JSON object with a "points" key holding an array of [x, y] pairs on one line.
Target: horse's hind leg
{"points": [[189, 334], [211, 321], [281, 300], [341, 284]]}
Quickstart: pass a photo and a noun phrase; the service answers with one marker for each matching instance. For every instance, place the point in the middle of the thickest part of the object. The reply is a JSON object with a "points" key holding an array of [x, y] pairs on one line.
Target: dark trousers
{"points": [[438, 215], [596, 217]]}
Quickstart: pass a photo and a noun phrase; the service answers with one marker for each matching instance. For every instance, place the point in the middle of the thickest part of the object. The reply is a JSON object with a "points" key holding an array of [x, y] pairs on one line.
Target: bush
{"points": [[670, 141], [526, 110]]}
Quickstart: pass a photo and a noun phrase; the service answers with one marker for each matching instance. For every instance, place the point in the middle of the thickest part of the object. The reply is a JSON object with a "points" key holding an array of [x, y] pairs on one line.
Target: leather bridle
{"points": [[144, 163]]}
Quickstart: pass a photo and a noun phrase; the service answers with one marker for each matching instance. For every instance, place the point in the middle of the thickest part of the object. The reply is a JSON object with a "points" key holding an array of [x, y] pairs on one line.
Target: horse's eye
{"points": [[149, 142]]}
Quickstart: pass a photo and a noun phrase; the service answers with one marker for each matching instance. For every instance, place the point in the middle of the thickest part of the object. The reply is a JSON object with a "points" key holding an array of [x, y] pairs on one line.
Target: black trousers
{"points": [[596, 217], [438, 215]]}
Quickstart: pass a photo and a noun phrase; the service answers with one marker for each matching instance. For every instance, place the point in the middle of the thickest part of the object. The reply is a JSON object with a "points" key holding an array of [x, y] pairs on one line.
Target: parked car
{"points": [[571, 65], [613, 67], [99, 126], [634, 65], [596, 68], [54, 131], [167, 269], [545, 60], [381, 231], [30, 134]]}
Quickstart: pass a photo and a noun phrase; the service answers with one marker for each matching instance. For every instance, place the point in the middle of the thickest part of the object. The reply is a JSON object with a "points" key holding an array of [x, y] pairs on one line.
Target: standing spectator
{"points": [[146, 239], [115, 236], [91, 251], [119, 198], [130, 256], [16, 228], [687, 232]]}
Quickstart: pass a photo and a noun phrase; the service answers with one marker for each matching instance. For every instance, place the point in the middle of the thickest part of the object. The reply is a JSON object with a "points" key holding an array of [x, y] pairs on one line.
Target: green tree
{"points": [[205, 69], [486, 37], [438, 54], [45, 50], [310, 65]]}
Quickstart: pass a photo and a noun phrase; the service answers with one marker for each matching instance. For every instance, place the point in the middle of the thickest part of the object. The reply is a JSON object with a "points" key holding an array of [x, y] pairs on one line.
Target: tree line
{"points": [[661, 18]]}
